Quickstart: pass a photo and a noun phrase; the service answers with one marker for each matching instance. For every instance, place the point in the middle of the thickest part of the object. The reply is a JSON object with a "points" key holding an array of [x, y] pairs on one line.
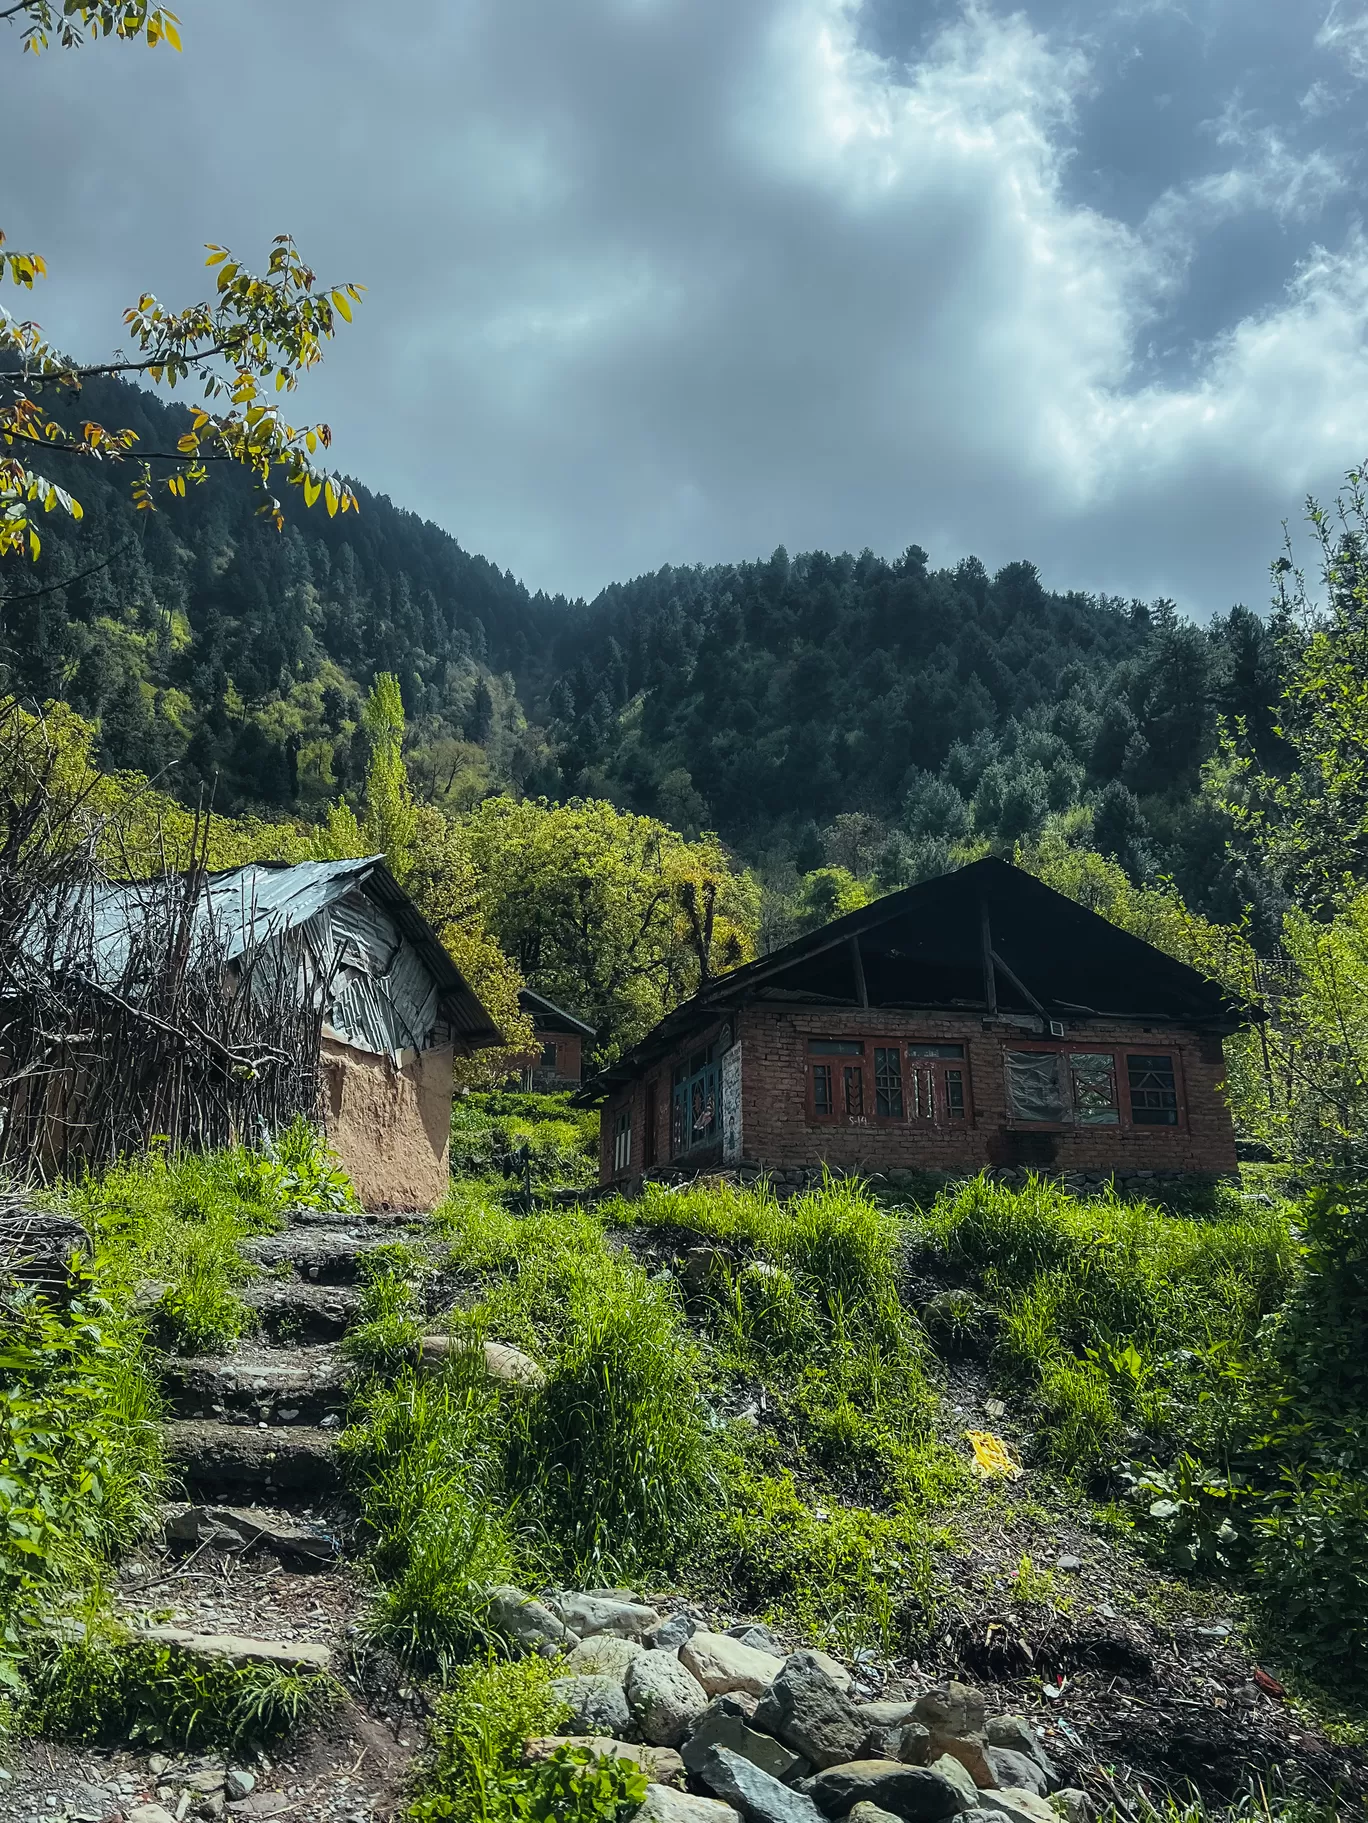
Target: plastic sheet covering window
{"points": [[1035, 1085]]}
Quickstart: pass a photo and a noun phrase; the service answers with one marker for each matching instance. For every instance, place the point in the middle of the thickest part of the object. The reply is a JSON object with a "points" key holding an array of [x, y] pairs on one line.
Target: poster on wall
{"points": [[731, 1106]]}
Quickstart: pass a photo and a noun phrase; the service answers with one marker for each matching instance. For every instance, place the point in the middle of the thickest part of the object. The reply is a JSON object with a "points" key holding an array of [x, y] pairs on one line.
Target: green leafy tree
{"points": [[618, 916], [247, 344]]}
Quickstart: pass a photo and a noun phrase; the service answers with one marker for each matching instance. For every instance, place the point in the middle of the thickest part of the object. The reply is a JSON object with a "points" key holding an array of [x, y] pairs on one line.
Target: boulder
{"points": [[725, 1724], [598, 1705], [886, 1715], [1019, 1806], [664, 1697], [835, 1670], [911, 1792], [955, 1774], [1017, 1771], [955, 1709], [914, 1744], [722, 1664], [808, 1713], [240, 1649], [590, 1614], [751, 1633], [509, 1367], [662, 1805], [527, 1624], [865, 1812], [759, 1797], [1016, 1733], [661, 1764], [969, 1750], [1073, 1805], [605, 1655], [671, 1634], [150, 1813]]}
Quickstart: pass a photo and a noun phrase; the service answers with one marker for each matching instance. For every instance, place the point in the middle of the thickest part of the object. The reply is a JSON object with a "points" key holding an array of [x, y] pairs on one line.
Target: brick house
{"points": [[560, 1040], [978, 1020]]}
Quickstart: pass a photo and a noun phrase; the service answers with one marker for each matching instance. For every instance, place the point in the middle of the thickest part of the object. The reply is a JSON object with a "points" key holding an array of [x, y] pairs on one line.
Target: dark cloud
{"points": [[678, 280]]}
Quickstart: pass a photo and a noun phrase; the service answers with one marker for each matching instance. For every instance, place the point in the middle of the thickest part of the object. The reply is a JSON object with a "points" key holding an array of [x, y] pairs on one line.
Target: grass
{"points": [[482, 1721], [1130, 1325], [562, 1141]]}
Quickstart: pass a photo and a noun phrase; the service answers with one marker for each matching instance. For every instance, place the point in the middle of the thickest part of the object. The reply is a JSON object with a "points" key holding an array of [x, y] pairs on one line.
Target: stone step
{"points": [[258, 1385], [242, 1649], [241, 1530], [319, 1256], [233, 1461], [292, 1312], [383, 1220]]}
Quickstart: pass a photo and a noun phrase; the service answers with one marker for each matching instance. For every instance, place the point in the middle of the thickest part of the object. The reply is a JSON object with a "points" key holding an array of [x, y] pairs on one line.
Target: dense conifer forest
{"points": [[818, 711]]}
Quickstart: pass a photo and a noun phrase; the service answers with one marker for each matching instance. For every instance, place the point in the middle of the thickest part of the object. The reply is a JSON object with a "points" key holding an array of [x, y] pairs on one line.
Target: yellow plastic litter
{"points": [[993, 1457]]}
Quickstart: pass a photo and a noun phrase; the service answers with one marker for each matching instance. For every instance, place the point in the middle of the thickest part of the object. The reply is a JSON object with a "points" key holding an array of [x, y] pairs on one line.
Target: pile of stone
{"points": [[727, 1726]]}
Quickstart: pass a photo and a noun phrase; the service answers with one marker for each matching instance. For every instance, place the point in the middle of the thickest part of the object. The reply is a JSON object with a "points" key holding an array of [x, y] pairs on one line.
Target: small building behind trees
{"points": [[558, 1061], [980, 1020], [211, 1008]]}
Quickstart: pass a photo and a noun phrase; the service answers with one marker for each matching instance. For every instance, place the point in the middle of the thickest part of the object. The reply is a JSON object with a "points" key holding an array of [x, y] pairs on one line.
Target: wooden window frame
{"points": [[936, 1069], [683, 1077], [622, 1141], [1121, 1053]]}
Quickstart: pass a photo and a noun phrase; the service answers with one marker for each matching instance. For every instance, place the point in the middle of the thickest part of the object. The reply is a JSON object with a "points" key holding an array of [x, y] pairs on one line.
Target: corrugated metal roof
{"points": [[393, 978]]}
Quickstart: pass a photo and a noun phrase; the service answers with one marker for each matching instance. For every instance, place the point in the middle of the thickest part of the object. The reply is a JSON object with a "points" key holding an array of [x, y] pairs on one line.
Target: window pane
{"points": [[954, 1094], [548, 1056], [1033, 1083], [823, 1101], [854, 1091], [1094, 1087], [921, 1084], [888, 1091], [935, 1050], [1153, 1091], [703, 1105], [836, 1047]]}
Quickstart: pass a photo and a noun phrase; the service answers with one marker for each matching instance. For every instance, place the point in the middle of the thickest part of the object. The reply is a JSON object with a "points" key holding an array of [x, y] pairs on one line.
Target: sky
{"points": [[676, 281]]}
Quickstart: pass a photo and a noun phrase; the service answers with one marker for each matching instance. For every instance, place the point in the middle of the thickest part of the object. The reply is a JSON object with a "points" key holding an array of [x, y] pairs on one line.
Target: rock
{"points": [[605, 1655], [911, 1792], [1069, 1564], [262, 1804], [149, 1813], [953, 1709], [724, 1724], [527, 1623], [240, 1649], [510, 1367], [1017, 1771], [914, 1744], [722, 1664], [664, 1697], [886, 1715], [239, 1783], [956, 1775], [1073, 1805], [835, 1670], [751, 1633], [969, 1750], [157, 1764], [1020, 1806], [808, 1713], [662, 1764], [701, 1264], [1016, 1733], [205, 1780], [590, 1614], [661, 1805], [885, 1723], [760, 1798], [598, 1705], [38, 1248], [671, 1634], [246, 1528], [865, 1812]]}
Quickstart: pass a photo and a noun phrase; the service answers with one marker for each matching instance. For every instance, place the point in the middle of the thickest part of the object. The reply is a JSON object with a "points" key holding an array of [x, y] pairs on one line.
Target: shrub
{"points": [[390, 1334], [562, 1141], [478, 1733]]}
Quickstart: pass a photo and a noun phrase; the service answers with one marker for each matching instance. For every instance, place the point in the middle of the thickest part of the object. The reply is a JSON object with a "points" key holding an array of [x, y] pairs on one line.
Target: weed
{"points": [[478, 1733], [578, 1786], [389, 1336], [561, 1140], [112, 1687], [1031, 1587]]}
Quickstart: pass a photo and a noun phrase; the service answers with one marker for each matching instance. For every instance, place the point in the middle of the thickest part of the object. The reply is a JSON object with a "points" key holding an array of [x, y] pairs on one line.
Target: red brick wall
{"points": [[778, 1135]]}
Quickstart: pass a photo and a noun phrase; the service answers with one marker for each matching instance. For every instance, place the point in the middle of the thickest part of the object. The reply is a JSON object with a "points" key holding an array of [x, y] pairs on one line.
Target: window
{"points": [[622, 1141], [693, 1107], [549, 1055], [888, 1082], [1049, 1086], [1035, 1086], [853, 1081], [936, 1082], [823, 1097], [1094, 1088], [1153, 1090]]}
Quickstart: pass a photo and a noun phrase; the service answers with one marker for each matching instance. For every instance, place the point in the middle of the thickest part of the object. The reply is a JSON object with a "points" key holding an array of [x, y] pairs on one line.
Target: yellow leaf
{"points": [[170, 33], [76, 509], [313, 487], [344, 308], [330, 497], [189, 443]]}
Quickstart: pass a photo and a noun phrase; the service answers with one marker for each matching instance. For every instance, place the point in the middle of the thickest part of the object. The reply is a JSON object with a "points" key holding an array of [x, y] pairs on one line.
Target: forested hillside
{"points": [[821, 713]]}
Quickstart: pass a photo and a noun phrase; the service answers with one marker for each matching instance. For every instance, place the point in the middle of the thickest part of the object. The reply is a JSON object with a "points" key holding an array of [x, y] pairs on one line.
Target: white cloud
{"points": [[1345, 32], [678, 280]]}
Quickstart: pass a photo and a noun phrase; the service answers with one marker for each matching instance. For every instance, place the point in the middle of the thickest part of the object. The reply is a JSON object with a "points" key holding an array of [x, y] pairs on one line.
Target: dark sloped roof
{"points": [[549, 1016], [922, 948]]}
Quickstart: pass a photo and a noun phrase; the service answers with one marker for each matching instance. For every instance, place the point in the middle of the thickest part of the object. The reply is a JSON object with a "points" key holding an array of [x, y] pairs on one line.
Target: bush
{"points": [[478, 1733], [80, 1455], [562, 1141]]}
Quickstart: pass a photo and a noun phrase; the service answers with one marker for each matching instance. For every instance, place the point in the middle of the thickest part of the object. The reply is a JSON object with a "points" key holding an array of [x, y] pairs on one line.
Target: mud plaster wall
{"points": [[390, 1126]]}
